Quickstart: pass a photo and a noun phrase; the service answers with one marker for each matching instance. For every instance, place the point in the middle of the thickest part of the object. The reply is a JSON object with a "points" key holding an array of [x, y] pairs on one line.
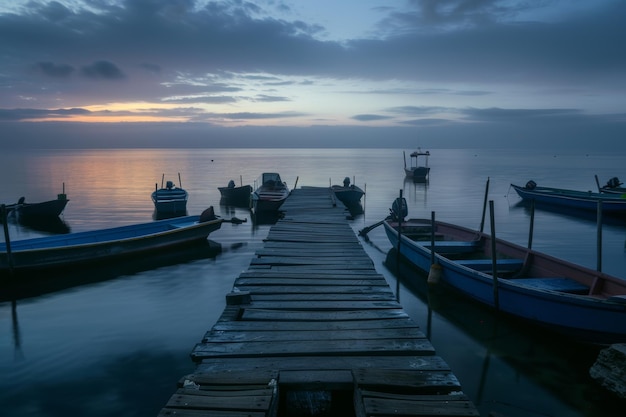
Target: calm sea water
{"points": [[117, 345]]}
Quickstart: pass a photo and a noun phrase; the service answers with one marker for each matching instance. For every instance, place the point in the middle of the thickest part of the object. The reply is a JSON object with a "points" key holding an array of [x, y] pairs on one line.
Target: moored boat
{"points": [[68, 250], [170, 199], [270, 194], [574, 300], [584, 200], [349, 194], [416, 171], [35, 212], [235, 195]]}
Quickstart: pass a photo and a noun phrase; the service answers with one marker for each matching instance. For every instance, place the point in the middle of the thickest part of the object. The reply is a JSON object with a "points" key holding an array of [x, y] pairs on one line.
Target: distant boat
{"points": [[347, 193], [571, 299], [235, 196], [270, 194], [416, 171], [35, 212], [67, 250], [170, 199], [584, 200]]}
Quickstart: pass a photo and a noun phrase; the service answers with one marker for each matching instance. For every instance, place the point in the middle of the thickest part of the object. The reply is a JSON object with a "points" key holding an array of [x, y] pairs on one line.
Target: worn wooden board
{"points": [[221, 336], [382, 361], [401, 322]]}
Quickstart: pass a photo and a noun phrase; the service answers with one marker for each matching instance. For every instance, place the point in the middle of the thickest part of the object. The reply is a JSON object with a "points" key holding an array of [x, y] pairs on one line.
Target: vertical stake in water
{"points": [[7, 238], [496, 301], [400, 217], [434, 274], [532, 224], [482, 221], [599, 242]]}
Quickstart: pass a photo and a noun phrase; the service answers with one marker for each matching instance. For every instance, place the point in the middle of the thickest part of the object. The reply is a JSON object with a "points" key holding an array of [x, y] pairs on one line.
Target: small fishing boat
{"points": [[583, 200], [574, 300], [235, 195], [170, 199], [34, 212], [416, 171], [347, 193], [67, 250], [270, 194]]}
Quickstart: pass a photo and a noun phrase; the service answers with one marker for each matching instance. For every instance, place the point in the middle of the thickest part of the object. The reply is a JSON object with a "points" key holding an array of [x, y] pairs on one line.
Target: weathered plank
{"points": [[221, 336]]}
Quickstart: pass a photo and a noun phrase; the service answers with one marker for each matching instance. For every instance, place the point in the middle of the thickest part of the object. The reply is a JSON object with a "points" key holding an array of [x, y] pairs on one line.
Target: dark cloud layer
{"points": [[175, 52]]}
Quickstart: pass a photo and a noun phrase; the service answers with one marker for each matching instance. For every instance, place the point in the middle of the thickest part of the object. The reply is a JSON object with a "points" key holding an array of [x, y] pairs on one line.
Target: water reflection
{"points": [[36, 283], [52, 225], [559, 365]]}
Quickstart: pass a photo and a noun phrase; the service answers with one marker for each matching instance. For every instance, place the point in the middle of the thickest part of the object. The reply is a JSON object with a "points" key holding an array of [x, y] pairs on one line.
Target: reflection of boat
{"points": [[415, 171], [97, 245], [584, 200], [544, 290], [270, 194], [348, 193], [235, 196], [169, 198], [54, 225]]}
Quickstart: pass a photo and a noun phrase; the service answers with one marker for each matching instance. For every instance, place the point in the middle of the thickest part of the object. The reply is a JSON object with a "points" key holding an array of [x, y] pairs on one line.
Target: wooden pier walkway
{"points": [[311, 329]]}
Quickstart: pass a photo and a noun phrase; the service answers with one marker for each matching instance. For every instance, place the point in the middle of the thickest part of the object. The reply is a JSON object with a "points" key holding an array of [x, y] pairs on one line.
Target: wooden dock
{"points": [[311, 329]]}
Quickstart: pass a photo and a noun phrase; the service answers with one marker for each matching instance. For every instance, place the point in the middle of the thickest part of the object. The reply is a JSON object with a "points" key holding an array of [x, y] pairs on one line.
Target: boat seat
{"points": [[454, 247], [567, 285], [485, 265]]}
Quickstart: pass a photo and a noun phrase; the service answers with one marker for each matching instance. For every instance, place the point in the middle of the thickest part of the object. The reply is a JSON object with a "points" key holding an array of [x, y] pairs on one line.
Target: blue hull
{"points": [[595, 318], [611, 203], [98, 245]]}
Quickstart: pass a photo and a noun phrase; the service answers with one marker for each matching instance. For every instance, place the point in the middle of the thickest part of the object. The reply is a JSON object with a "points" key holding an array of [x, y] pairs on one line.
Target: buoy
{"points": [[434, 274]]}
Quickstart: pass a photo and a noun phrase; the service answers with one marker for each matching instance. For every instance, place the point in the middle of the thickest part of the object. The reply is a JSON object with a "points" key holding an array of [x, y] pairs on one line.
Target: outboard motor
{"points": [[231, 184], [530, 185], [399, 209], [613, 183], [169, 185], [346, 182]]}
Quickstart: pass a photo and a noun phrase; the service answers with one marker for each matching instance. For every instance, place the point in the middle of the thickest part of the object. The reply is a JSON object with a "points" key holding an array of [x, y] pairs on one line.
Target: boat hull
{"points": [[236, 196], [39, 211], [611, 203], [417, 173], [595, 318], [348, 195], [170, 200], [92, 246]]}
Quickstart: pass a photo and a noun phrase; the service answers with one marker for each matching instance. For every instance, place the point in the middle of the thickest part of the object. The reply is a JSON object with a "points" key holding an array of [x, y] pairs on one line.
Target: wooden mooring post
{"points": [[312, 329]]}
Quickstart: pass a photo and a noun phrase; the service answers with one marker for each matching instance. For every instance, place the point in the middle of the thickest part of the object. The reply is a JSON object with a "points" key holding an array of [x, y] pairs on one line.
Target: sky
{"points": [[313, 73]]}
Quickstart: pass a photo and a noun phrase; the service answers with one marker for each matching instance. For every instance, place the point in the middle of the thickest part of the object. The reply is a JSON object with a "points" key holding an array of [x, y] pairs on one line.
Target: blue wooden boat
{"points": [[170, 199], [583, 200], [79, 248], [576, 301]]}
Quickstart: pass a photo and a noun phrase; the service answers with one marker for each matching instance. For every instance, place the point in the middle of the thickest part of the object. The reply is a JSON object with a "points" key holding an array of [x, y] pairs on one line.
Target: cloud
{"points": [[369, 117], [55, 70], [103, 70]]}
